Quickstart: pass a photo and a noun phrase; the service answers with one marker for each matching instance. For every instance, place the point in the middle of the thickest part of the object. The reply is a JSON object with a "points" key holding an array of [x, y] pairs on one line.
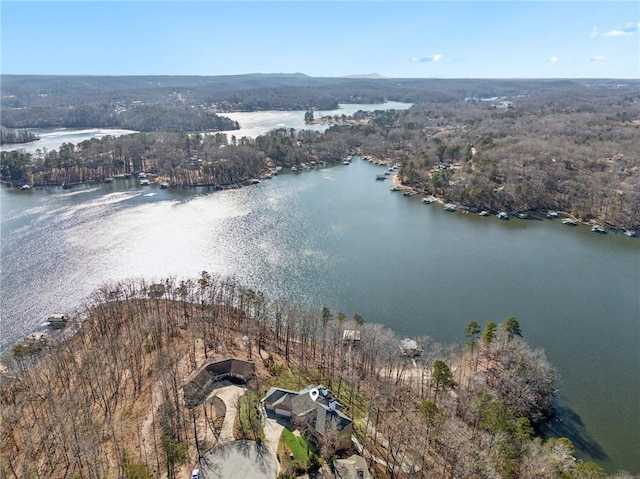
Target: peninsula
{"points": [[138, 386]]}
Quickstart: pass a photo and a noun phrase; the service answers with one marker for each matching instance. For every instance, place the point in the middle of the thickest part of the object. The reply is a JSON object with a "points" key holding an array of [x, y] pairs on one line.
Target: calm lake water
{"points": [[252, 124], [53, 138], [255, 123], [337, 237]]}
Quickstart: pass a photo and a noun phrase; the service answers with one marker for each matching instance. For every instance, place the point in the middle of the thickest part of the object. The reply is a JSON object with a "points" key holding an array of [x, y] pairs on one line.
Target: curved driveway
{"points": [[241, 459], [229, 395]]}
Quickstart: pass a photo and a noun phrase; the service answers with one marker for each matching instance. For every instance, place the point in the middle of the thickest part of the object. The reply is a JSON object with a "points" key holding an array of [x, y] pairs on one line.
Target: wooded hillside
{"points": [[109, 398]]}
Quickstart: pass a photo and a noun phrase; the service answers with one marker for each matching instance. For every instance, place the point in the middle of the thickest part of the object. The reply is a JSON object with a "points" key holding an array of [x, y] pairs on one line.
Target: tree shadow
{"points": [[281, 420], [567, 423], [248, 452]]}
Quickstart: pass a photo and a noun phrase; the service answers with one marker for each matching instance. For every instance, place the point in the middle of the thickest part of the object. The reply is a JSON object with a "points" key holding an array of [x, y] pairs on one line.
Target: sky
{"points": [[398, 39]]}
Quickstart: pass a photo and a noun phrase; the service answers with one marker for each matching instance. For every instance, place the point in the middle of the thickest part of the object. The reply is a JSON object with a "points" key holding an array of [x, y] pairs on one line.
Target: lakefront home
{"points": [[322, 414]]}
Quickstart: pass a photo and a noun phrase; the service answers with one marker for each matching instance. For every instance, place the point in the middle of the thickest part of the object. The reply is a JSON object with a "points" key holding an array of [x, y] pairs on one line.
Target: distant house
{"points": [[410, 348], [203, 380], [321, 415], [351, 335], [57, 320], [37, 337]]}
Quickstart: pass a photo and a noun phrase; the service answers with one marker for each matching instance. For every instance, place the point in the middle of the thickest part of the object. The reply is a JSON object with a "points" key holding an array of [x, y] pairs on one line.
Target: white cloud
{"points": [[628, 30], [429, 58], [598, 58], [554, 59], [616, 33]]}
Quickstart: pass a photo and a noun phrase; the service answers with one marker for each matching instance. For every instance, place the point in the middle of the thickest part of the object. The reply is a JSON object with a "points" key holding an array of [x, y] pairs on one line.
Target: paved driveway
{"points": [[239, 460], [229, 395], [272, 430]]}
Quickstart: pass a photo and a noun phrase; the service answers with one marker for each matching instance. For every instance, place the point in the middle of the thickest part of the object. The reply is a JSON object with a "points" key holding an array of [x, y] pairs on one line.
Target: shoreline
{"points": [[272, 171], [539, 214]]}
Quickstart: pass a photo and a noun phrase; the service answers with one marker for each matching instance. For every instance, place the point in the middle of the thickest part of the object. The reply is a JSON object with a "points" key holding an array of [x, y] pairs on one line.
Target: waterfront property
{"points": [[352, 244], [322, 414], [409, 348], [57, 320], [351, 336]]}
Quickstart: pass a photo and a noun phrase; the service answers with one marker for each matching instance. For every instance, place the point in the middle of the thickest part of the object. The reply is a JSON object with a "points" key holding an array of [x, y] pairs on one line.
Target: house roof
{"points": [[321, 420], [351, 335], [276, 394], [408, 344], [200, 382], [284, 400], [317, 412], [302, 403], [233, 366]]}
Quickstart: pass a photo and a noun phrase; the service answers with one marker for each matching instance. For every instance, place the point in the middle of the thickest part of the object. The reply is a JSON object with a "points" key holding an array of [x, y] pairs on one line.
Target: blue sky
{"points": [[454, 39]]}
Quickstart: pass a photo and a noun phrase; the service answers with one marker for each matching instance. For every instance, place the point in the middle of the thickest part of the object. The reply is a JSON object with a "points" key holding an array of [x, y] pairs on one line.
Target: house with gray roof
{"points": [[321, 415], [279, 401]]}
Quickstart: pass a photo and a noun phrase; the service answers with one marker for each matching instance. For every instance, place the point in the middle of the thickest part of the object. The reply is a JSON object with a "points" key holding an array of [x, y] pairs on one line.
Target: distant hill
{"points": [[365, 75]]}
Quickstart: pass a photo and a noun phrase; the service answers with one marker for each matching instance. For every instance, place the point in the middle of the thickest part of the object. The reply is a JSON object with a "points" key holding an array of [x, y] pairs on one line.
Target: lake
{"points": [[252, 124], [53, 138], [336, 237], [255, 123]]}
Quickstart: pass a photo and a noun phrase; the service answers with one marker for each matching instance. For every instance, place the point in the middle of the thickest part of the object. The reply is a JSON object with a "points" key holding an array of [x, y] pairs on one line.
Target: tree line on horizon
{"points": [[11, 137], [30, 101]]}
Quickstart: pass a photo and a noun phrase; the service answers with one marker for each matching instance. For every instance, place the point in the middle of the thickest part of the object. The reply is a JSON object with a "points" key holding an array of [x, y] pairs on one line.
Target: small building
{"points": [[203, 380], [57, 320], [37, 337], [410, 348], [351, 335]]}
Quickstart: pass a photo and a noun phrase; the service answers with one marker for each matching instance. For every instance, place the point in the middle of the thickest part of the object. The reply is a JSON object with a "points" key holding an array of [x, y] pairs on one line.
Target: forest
{"points": [[9, 137], [138, 117], [571, 149], [107, 401], [30, 101]]}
